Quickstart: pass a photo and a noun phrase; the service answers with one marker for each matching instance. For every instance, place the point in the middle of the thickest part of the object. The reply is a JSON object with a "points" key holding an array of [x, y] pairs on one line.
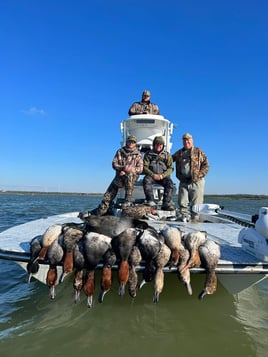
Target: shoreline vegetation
{"points": [[231, 196]]}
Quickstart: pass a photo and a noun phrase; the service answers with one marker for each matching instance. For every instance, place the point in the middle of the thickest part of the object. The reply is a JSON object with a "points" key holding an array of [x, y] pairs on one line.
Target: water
{"points": [[33, 325]]}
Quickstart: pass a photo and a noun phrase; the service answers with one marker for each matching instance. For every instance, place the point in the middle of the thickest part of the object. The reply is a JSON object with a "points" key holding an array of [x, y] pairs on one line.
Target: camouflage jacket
{"points": [[157, 163], [125, 157], [143, 108], [199, 164]]}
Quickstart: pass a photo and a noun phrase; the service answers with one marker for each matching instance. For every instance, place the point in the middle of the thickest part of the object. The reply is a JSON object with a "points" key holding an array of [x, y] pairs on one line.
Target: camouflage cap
{"points": [[132, 138], [146, 92], [159, 140], [187, 136]]}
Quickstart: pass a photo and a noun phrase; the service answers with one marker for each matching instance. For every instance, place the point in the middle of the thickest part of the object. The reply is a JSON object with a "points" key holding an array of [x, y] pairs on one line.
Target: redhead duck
{"points": [[122, 245], [54, 255], [95, 246], [89, 286], [71, 237], [109, 260]]}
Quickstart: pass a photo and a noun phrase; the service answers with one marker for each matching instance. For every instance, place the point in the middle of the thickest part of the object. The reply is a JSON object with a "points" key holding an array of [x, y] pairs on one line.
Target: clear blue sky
{"points": [[69, 70]]}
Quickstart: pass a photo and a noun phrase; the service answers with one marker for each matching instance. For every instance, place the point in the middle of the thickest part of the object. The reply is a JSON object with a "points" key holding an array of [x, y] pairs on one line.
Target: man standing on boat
{"points": [[157, 167], [144, 106], [191, 168], [128, 165]]}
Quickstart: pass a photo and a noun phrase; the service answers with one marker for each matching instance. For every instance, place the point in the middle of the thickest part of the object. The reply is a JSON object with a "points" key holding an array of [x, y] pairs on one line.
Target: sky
{"points": [[70, 70]]}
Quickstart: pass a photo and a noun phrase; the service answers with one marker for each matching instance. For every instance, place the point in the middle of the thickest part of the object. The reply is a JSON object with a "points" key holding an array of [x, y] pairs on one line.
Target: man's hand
{"points": [[157, 177], [128, 169]]}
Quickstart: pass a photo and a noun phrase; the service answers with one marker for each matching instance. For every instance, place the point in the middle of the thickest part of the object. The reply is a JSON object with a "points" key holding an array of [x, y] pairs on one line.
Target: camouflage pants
{"points": [[189, 195], [167, 183], [126, 181]]}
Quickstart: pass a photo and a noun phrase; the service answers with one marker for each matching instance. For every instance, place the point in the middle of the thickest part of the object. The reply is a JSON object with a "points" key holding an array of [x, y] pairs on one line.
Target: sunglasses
{"points": [[131, 142]]}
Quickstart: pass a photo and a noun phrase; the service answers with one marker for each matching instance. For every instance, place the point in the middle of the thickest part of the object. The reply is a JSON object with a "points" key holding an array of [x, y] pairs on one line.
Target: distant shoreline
{"points": [[231, 196]]}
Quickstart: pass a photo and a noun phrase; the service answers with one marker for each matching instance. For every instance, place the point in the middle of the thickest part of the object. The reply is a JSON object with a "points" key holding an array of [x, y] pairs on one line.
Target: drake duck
{"points": [[109, 260], [55, 254], [71, 237], [122, 245], [95, 246]]}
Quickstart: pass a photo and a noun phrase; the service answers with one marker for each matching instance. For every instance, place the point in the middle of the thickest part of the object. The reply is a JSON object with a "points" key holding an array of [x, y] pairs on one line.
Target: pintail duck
{"points": [[184, 276], [161, 260], [134, 261], [51, 234], [79, 265], [192, 242], [209, 254], [172, 236]]}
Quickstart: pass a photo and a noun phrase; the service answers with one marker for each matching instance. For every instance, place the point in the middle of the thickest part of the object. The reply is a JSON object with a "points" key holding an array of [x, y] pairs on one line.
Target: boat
{"points": [[243, 239]]}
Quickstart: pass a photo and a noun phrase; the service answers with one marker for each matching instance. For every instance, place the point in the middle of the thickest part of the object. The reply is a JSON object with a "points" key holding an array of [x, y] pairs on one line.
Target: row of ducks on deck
{"points": [[124, 243]]}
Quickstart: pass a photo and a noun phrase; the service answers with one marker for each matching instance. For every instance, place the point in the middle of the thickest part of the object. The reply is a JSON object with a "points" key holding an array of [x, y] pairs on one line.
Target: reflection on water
{"points": [[252, 313], [33, 325]]}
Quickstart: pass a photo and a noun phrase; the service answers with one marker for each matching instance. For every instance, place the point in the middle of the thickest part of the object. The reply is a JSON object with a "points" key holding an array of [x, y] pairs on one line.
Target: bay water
{"points": [[33, 325]]}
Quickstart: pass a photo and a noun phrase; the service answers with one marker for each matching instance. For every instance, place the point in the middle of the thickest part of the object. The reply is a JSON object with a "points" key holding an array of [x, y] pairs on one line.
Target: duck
{"points": [[148, 273], [111, 226], [89, 286], [71, 236], [184, 275], [209, 254], [55, 254], [192, 242], [134, 260], [95, 246], [138, 211], [79, 265], [51, 234], [122, 245], [156, 254], [172, 236], [33, 265], [109, 260], [78, 284], [149, 243], [161, 260]]}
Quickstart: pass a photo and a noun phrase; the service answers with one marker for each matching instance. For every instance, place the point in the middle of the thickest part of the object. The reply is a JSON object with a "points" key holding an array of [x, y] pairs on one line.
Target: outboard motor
{"points": [[255, 240]]}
